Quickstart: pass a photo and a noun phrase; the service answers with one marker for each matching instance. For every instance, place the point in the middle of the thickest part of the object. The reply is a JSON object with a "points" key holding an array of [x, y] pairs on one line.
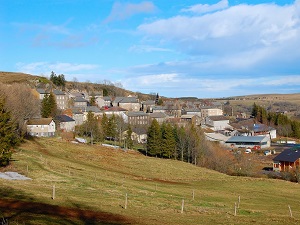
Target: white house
{"points": [[217, 122], [44, 127]]}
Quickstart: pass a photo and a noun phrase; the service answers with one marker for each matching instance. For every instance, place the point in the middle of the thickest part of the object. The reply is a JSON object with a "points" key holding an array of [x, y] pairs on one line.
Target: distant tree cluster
{"points": [[284, 125], [105, 128], [58, 80], [188, 144], [168, 141]]}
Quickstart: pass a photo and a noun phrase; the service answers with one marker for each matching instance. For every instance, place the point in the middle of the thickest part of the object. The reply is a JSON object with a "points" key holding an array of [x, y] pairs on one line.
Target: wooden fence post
{"points": [[235, 209], [53, 192], [125, 201], [291, 214], [182, 205], [239, 200]]}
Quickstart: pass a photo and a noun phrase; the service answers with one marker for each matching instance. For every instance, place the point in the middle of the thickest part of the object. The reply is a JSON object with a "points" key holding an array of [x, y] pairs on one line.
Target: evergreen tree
{"points": [[91, 128], [168, 141], [49, 106], [8, 135], [254, 110], [154, 139], [111, 127], [93, 101], [129, 141]]}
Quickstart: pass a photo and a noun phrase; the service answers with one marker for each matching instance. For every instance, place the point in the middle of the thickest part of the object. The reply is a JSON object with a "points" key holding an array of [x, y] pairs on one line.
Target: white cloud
{"points": [[147, 48], [122, 11], [205, 8], [241, 36], [179, 85], [59, 67]]}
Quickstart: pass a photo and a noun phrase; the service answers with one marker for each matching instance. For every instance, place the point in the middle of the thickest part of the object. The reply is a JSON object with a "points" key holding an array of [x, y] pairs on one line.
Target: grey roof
{"points": [[158, 115], [158, 108], [106, 98], [192, 110], [76, 110], [149, 102], [140, 113], [64, 118], [246, 139], [42, 91], [115, 109], [80, 99], [58, 92], [92, 109], [129, 100], [289, 155]]}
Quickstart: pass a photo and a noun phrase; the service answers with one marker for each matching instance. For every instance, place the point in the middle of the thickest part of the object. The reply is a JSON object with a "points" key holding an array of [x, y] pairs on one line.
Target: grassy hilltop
{"points": [[91, 183]]}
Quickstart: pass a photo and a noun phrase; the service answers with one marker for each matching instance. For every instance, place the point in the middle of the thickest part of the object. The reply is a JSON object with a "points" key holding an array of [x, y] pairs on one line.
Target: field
{"points": [[91, 184]]}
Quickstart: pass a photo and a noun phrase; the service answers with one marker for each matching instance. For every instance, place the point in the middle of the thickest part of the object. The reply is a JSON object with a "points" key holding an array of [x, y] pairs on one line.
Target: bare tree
{"points": [[22, 103]]}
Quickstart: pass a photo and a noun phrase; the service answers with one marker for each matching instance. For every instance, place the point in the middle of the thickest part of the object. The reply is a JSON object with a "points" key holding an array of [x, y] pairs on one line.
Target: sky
{"points": [[190, 48]]}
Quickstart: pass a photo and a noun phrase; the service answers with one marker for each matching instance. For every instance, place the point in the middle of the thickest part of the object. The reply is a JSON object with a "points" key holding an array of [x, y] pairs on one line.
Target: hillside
{"points": [[91, 183], [42, 82]]}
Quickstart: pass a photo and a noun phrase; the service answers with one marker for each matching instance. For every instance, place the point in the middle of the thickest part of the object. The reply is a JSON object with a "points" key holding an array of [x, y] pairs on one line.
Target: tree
{"points": [[168, 141], [49, 106], [58, 80], [154, 139], [181, 142], [129, 141], [21, 103], [104, 124], [93, 101], [111, 131], [91, 128], [8, 134]]}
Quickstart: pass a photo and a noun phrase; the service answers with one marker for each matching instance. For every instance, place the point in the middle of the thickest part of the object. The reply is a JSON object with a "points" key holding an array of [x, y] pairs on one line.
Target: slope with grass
{"points": [[91, 183]]}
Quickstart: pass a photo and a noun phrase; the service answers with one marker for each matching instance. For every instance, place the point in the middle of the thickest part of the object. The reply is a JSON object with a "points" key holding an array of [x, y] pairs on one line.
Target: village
{"points": [[242, 133]]}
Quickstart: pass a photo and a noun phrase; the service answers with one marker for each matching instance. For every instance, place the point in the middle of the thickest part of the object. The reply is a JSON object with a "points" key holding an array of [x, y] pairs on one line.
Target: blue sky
{"points": [[177, 48]]}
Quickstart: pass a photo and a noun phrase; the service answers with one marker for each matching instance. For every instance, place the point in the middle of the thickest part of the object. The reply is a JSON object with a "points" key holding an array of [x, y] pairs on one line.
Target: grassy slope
{"points": [[97, 179]]}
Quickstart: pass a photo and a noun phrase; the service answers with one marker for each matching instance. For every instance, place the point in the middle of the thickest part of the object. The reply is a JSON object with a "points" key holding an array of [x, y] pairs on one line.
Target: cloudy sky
{"points": [[200, 48]]}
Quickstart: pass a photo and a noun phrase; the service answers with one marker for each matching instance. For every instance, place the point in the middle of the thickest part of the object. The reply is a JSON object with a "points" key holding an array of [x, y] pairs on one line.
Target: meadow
{"points": [[84, 184]]}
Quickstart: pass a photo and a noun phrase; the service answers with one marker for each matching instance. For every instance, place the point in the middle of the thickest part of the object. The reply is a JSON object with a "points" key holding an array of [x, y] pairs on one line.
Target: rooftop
{"points": [[289, 155]]}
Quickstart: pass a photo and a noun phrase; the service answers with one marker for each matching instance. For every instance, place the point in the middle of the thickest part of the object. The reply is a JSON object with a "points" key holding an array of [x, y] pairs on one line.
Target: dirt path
{"points": [[63, 212]]}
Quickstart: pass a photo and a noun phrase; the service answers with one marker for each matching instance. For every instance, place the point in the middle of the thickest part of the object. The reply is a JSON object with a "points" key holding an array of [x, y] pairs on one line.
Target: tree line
{"points": [[283, 124], [171, 141], [111, 128]]}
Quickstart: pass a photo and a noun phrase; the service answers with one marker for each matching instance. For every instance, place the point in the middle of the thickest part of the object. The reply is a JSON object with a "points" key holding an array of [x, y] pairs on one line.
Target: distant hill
{"points": [[43, 82], [12, 77]]}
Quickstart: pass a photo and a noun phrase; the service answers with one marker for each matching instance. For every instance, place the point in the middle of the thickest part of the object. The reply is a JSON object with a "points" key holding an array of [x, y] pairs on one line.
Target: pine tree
{"points": [[168, 141], [112, 127], [49, 106], [154, 139], [254, 110], [91, 128], [128, 138], [8, 135]]}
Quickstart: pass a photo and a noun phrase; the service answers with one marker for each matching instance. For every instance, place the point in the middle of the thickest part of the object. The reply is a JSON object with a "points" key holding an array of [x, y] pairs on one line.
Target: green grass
{"points": [[97, 178]]}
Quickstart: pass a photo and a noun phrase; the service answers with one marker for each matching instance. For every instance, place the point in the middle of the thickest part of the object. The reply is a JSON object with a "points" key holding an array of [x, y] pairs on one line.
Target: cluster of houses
{"points": [[242, 132]]}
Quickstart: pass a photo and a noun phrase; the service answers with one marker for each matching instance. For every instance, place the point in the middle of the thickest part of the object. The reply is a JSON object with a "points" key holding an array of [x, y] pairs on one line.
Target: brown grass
{"points": [[95, 179]]}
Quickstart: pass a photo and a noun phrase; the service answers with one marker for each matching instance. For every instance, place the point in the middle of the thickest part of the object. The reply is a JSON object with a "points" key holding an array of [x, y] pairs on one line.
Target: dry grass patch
{"points": [[97, 179]]}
